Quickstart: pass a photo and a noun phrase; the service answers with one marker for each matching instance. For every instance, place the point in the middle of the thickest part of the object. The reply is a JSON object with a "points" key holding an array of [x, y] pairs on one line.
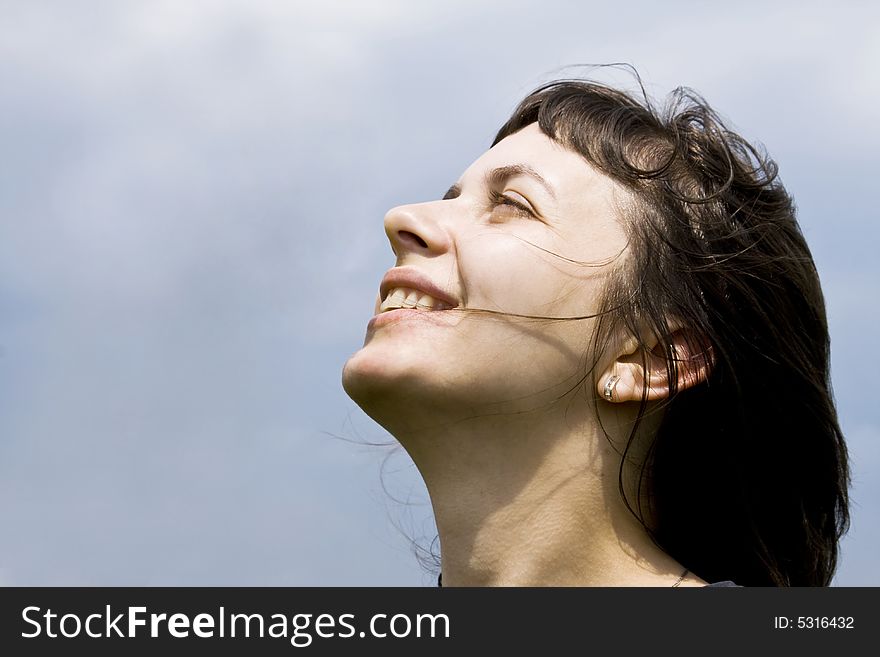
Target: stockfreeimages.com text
{"points": [[301, 629]]}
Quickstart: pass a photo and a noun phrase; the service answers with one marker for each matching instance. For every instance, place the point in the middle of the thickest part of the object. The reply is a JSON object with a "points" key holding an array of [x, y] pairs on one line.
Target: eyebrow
{"points": [[500, 175]]}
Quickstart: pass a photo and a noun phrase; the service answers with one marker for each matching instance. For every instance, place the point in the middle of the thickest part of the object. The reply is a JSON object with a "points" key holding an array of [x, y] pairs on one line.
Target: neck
{"points": [[533, 500]]}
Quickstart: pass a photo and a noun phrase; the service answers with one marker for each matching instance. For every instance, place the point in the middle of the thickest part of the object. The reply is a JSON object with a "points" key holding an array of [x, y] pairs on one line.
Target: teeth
{"points": [[411, 299], [396, 297], [402, 297]]}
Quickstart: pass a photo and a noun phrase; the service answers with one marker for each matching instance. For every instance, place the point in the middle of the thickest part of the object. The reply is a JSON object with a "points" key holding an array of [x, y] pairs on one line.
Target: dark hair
{"points": [[747, 477]]}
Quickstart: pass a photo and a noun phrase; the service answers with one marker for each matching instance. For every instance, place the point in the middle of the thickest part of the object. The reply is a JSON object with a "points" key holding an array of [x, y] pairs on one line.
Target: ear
{"points": [[640, 367]]}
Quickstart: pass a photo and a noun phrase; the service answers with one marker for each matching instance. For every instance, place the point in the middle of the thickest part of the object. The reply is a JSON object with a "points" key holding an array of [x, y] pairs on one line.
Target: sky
{"points": [[191, 204]]}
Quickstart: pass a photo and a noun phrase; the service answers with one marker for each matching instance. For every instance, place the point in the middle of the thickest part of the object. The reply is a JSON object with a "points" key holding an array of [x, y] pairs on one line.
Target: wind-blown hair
{"points": [[747, 477]]}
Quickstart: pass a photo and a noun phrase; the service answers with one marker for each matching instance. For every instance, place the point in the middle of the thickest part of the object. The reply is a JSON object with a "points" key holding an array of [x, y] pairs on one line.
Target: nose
{"points": [[416, 229]]}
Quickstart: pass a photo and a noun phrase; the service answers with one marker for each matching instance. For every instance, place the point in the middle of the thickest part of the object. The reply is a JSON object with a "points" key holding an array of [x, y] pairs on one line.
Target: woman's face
{"points": [[529, 229]]}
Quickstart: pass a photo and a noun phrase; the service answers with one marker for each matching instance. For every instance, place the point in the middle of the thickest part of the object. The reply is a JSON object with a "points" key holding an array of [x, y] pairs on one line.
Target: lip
{"points": [[390, 317], [415, 280]]}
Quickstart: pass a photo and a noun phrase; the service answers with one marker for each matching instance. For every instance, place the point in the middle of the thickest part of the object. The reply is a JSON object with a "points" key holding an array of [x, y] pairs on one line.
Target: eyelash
{"points": [[499, 198]]}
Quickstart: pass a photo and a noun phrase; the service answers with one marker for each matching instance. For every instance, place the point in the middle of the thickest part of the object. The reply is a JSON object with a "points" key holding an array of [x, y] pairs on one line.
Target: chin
{"points": [[379, 383]]}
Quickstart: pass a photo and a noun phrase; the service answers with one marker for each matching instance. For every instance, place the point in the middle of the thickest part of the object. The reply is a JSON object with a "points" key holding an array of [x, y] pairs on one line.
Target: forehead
{"points": [[569, 174], [531, 141]]}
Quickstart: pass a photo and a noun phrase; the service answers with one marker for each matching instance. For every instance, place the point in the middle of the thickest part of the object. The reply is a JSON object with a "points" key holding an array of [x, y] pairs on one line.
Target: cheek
{"points": [[509, 275]]}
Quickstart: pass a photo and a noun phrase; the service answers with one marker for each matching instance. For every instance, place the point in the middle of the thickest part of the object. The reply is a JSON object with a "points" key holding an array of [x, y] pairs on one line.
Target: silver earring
{"points": [[610, 384]]}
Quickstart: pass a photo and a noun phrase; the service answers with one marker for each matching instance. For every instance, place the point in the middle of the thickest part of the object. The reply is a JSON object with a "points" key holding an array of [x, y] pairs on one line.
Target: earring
{"points": [[610, 384]]}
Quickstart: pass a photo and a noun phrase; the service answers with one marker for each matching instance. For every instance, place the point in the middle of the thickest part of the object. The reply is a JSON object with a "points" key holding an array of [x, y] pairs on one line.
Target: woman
{"points": [[606, 351]]}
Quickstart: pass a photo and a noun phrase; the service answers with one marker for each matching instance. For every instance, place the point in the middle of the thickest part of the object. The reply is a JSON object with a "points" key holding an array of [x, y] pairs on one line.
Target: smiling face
{"points": [[529, 229]]}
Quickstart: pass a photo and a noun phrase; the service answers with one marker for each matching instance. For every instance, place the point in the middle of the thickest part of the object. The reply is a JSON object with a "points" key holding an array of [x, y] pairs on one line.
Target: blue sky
{"points": [[191, 203]]}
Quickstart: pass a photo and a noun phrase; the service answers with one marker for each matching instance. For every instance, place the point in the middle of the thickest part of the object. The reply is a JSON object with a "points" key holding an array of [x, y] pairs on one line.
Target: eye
{"points": [[512, 200]]}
